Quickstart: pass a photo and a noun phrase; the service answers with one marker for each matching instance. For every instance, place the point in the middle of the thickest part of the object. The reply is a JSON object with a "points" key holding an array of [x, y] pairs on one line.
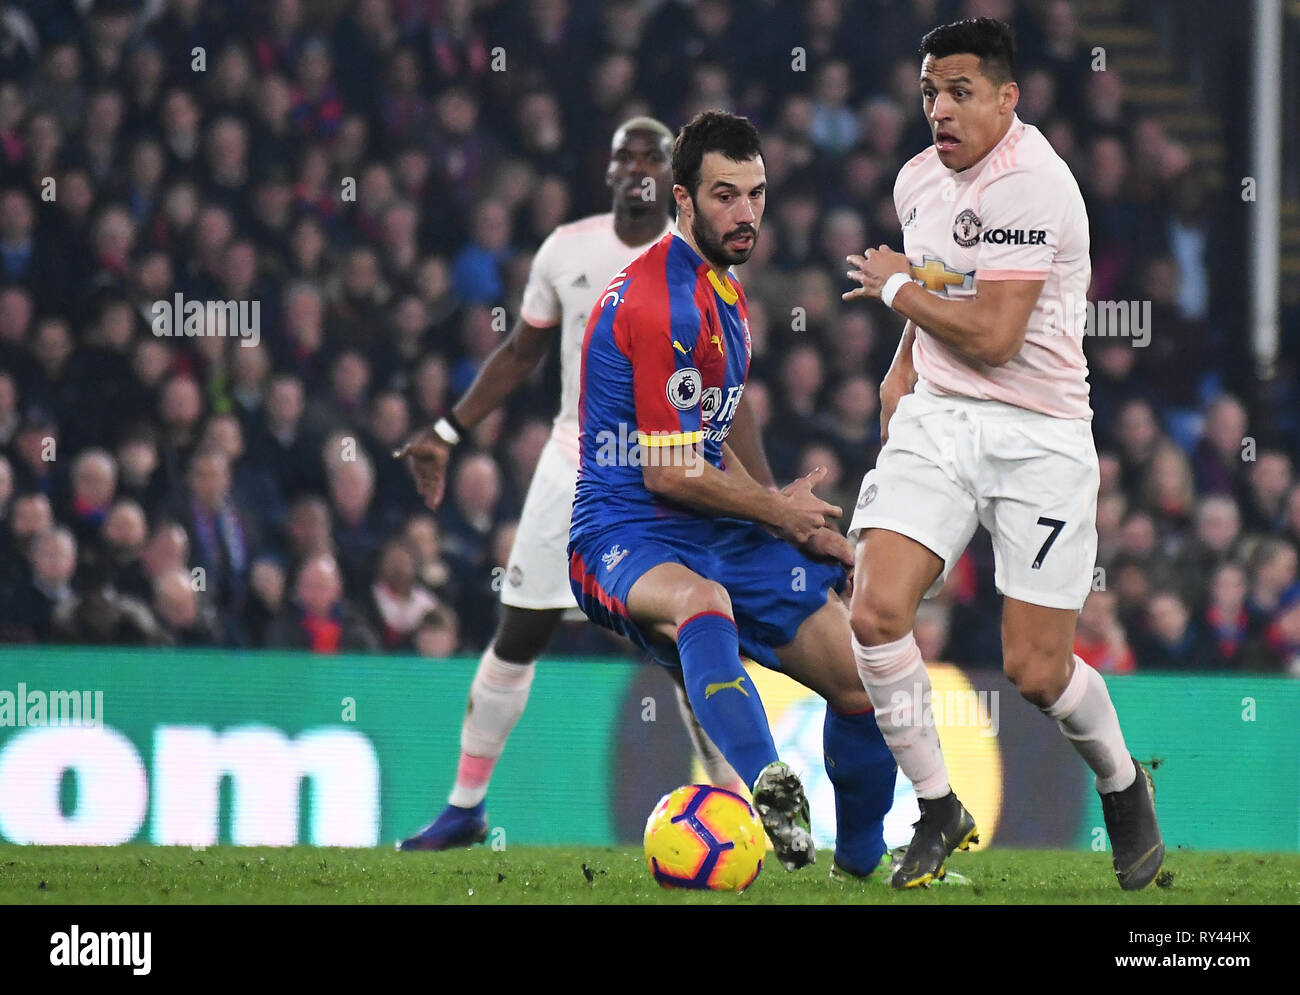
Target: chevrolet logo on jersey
{"points": [[935, 275]]}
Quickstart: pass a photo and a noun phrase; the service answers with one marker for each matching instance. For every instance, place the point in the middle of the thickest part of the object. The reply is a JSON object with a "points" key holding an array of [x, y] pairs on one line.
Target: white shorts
{"points": [[1030, 479], [537, 575]]}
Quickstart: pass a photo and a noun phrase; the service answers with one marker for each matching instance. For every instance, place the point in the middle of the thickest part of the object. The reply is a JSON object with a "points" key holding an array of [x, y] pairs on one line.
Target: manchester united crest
{"points": [[966, 228]]}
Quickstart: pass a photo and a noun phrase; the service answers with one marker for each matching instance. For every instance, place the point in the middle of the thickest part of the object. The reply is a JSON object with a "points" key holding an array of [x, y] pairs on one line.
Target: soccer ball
{"points": [[700, 836]]}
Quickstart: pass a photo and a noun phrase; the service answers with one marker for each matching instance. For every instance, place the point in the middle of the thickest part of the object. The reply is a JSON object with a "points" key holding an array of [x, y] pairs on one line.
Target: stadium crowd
{"points": [[376, 175]]}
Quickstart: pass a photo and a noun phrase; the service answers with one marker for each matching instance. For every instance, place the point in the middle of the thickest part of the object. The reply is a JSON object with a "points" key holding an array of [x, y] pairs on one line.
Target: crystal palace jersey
{"points": [[664, 363], [570, 269]]}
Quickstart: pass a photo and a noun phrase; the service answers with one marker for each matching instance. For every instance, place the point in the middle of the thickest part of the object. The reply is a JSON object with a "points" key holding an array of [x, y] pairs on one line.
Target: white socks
{"points": [[496, 701], [1087, 717], [716, 768], [895, 678]]}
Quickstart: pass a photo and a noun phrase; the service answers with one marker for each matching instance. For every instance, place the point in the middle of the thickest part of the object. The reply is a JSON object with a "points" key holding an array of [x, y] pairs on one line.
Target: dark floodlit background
{"points": [[153, 148]]}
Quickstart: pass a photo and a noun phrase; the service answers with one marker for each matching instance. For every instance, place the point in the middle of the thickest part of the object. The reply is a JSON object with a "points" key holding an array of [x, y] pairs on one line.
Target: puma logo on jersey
{"points": [[681, 348], [711, 689]]}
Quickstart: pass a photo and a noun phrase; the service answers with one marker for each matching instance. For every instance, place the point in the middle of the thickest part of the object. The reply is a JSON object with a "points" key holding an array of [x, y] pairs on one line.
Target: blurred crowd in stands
{"points": [[376, 176]]}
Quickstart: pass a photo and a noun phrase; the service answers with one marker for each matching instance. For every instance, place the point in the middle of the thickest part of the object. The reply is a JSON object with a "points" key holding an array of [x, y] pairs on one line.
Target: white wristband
{"points": [[444, 431], [892, 286]]}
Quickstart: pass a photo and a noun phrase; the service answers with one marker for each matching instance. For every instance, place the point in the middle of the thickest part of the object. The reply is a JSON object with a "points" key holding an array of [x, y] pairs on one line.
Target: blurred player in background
{"points": [[675, 545], [570, 269], [986, 421]]}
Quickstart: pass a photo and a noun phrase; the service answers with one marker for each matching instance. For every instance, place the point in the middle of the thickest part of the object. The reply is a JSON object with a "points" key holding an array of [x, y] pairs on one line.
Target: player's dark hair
{"points": [[990, 39], [712, 131]]}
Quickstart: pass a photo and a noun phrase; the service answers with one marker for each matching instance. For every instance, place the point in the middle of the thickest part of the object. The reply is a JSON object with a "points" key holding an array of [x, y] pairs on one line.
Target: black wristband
{"points": [[460, 429]]}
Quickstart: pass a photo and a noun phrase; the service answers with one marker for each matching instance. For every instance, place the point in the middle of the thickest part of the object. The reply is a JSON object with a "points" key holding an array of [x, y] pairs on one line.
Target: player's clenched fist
{"points": [[803, 511], [873, 269], [426, 455]]}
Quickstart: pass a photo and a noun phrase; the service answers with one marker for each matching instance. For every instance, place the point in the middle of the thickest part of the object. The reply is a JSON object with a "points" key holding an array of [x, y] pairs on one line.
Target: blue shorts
{"points": [[773, 587]]}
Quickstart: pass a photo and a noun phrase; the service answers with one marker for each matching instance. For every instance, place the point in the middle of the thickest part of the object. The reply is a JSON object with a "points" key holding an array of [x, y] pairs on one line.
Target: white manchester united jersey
{"points": [[1017, 214], [569, 271]]}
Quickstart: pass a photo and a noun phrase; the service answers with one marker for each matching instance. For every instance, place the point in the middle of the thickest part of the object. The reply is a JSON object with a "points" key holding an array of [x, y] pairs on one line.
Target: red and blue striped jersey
{"points": [[664, 362]]}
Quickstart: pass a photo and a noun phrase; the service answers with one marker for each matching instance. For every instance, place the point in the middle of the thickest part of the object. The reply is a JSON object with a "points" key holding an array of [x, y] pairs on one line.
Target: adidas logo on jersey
{"points": [[581, 281], [910, 220]]}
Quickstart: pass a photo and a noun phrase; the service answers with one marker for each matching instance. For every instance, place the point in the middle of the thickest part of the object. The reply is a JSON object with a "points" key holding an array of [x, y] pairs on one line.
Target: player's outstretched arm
{"points": [[428, 451], [511, 363], [683, 476], [989, 327]]}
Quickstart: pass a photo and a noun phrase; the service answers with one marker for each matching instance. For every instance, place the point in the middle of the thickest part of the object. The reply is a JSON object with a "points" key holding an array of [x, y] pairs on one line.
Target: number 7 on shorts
{"points": [[1055, 524]]}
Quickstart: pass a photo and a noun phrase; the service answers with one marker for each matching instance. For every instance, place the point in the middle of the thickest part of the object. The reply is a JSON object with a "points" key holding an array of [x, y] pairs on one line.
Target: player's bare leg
{"points": [[1038, 657], [694, 612], [820, 658], [892, 574]]}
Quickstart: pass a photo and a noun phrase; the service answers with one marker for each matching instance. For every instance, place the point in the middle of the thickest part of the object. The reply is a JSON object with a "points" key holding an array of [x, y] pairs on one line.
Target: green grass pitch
{"points": [[602, 875]]}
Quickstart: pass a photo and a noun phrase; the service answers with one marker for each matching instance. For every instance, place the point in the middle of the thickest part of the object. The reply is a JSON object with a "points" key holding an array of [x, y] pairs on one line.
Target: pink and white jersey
{"points": [[1017, 214], [570, 270]]}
